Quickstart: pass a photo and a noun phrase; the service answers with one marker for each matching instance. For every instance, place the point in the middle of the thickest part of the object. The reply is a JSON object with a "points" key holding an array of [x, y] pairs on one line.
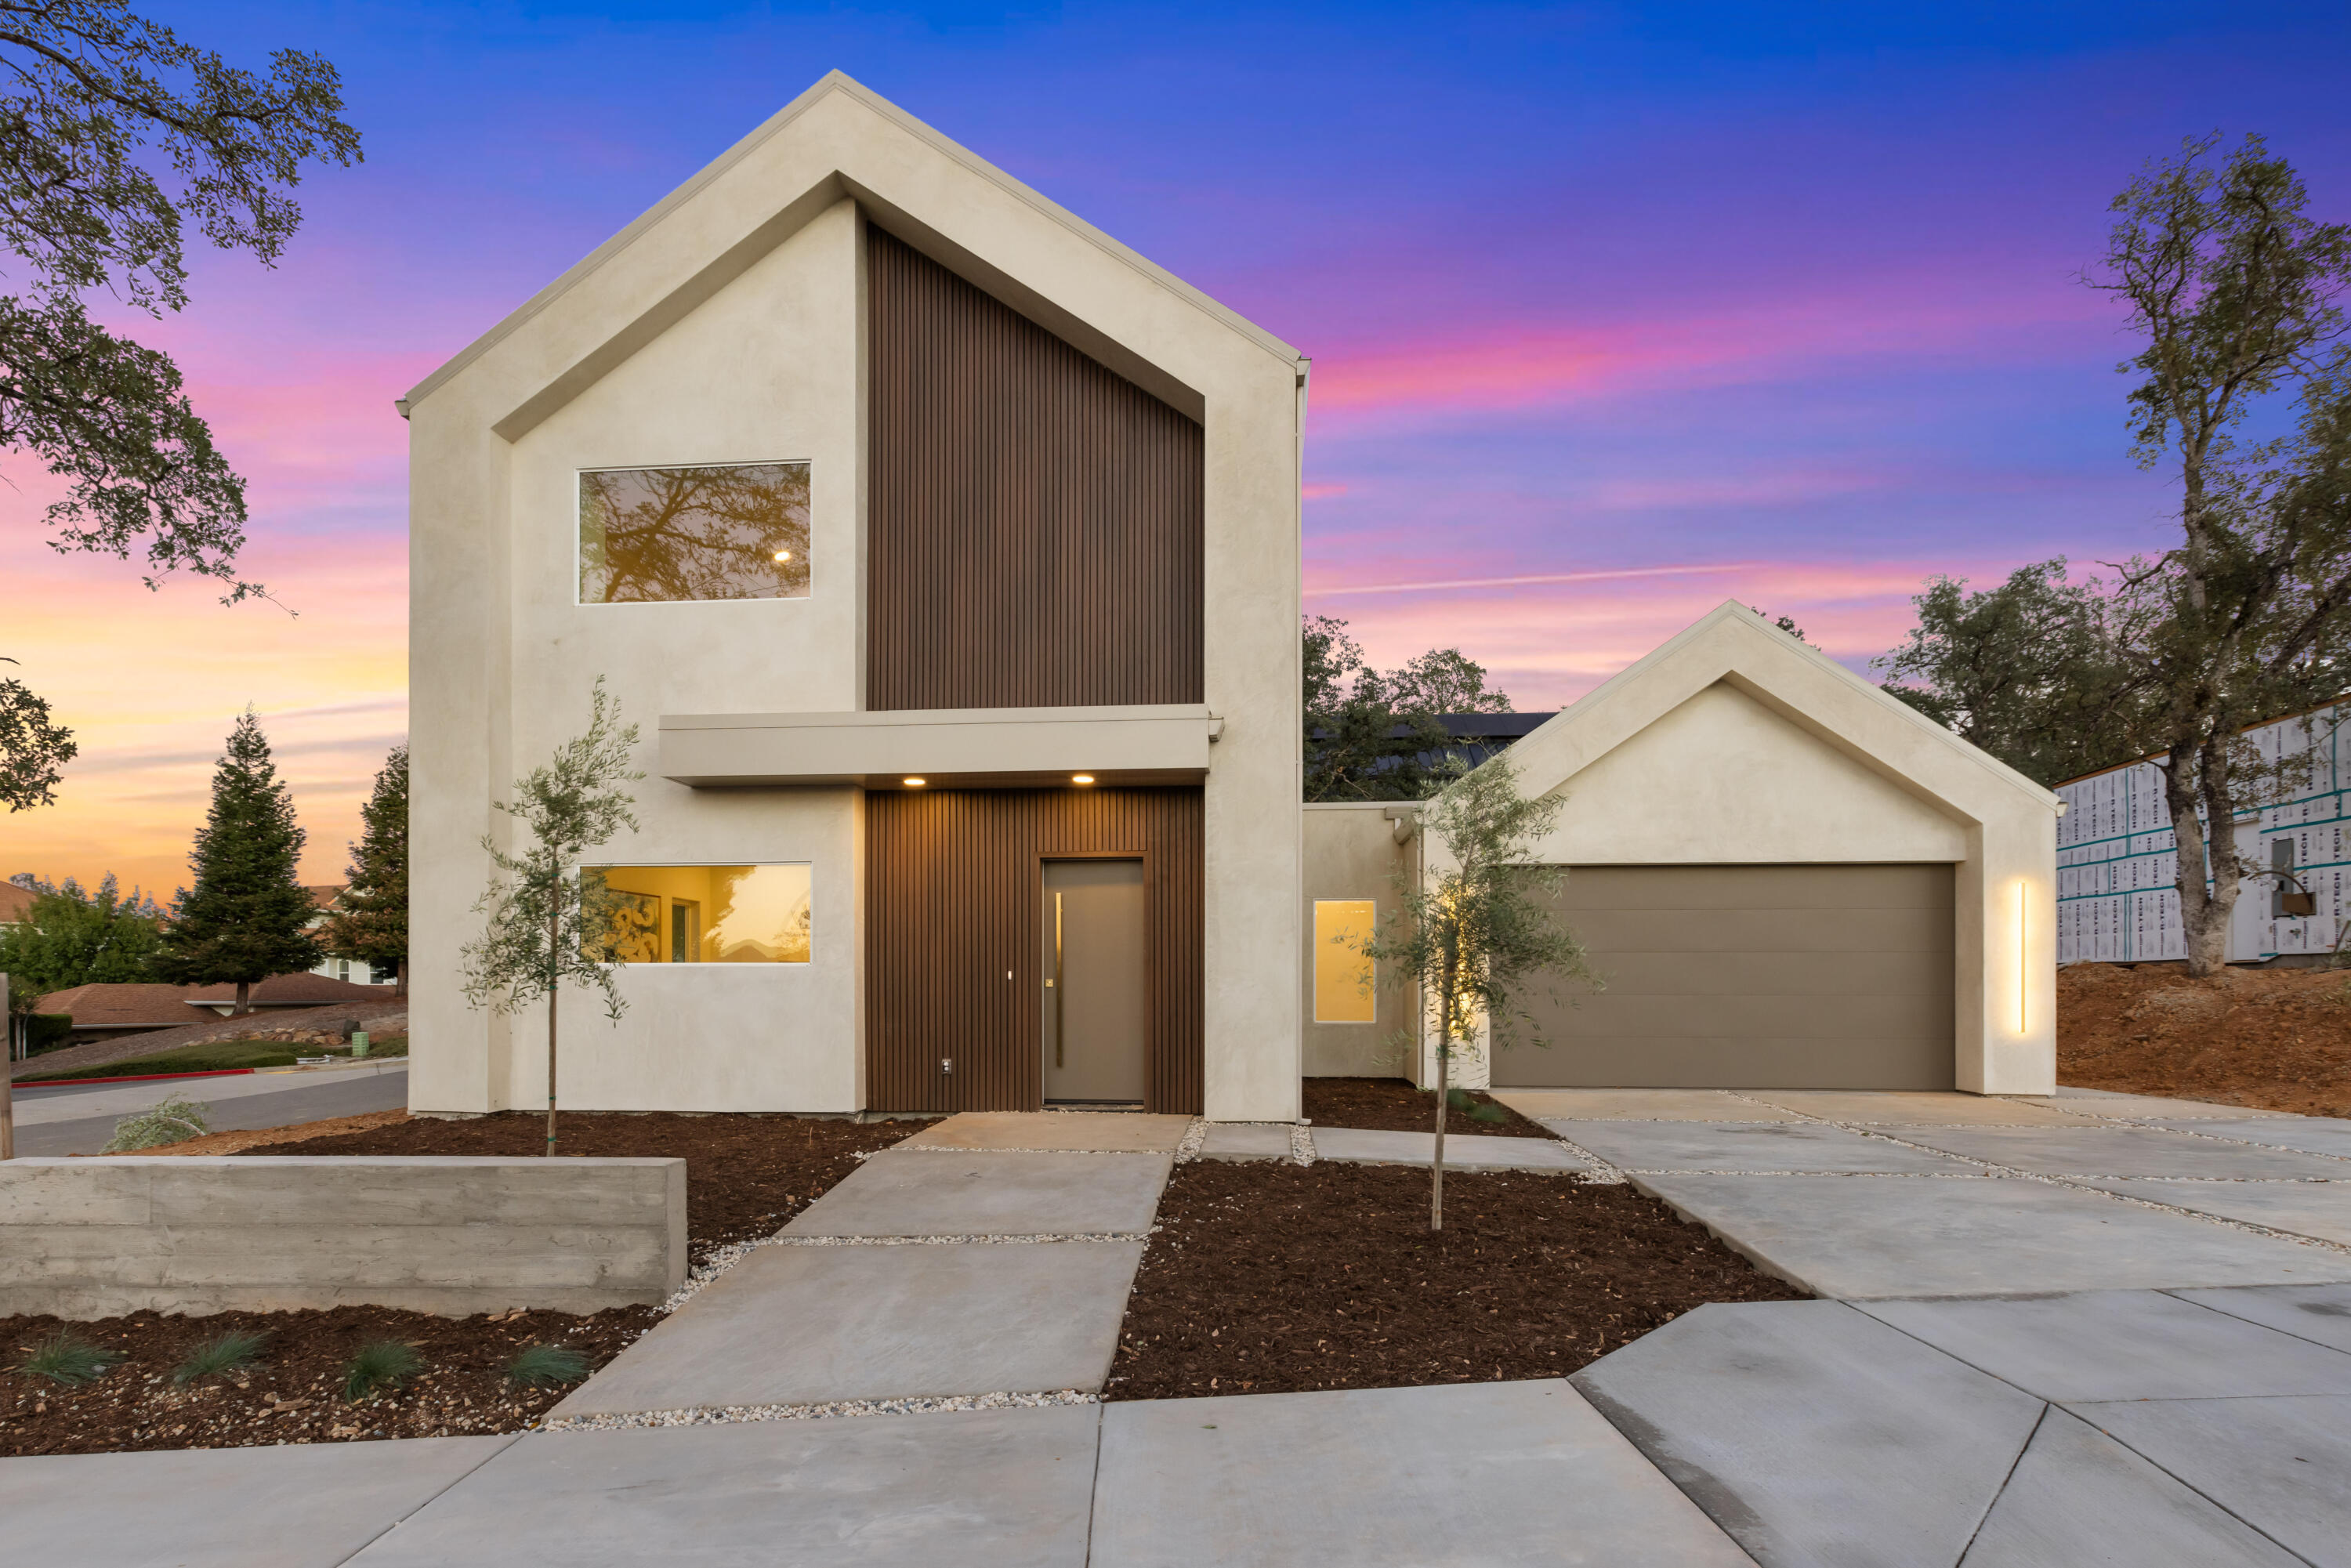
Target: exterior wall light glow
{"points": [[912, 783], [1081, 778], [783, 555], [2023, 960]]}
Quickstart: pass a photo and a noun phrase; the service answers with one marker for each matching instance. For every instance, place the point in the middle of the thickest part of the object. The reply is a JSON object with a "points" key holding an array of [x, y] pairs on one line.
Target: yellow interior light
{"points": [[1081, 778], [913, 783]]}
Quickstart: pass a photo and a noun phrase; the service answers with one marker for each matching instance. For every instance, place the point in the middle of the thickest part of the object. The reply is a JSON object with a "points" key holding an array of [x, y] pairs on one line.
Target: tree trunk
{"points": [[2210, 874], [1444, 1052], [244, 1000], [553, 935], [400, 977]]}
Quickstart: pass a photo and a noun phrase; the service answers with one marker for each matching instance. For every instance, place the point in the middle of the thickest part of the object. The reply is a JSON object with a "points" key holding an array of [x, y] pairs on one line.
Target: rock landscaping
{"points": [[1395, 1105], [1267, 1277], [746, 1177]]}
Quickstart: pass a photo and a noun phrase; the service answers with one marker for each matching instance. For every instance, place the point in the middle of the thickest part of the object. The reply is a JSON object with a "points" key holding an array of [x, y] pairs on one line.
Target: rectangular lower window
{"points": [[735, 530], [704, 914], [1342, 976]]}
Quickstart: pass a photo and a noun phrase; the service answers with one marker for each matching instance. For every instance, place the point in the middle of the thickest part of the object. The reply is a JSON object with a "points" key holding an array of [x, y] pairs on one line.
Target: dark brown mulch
{"points": [[294, 1394], [1268, 1278], [1395, 1105], [745, 1176]]}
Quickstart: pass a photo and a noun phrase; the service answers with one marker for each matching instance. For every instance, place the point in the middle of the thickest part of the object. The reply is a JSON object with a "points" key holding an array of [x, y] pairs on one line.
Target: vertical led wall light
{"points": [[2023, 956]]}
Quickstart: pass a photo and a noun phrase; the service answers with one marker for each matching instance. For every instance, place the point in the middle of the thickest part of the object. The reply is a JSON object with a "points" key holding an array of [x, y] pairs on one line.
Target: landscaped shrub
{"points": [[548, 1366], [174, 1119], [379, 1366], [46, 1031], [1476, 1110], [223, 1352], [66, 1357]]}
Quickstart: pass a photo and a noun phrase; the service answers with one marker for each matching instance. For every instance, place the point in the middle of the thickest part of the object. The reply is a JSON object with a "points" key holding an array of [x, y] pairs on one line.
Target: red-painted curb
{"points": [[132, 1077]]}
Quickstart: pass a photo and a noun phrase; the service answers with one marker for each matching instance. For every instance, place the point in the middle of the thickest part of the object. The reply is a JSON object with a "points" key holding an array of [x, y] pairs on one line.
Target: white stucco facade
{"points": [[725, 327]]}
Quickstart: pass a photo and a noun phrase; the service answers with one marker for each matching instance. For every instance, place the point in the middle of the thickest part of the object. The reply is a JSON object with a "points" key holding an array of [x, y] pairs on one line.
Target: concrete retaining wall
{"points": [[95, 1238]]}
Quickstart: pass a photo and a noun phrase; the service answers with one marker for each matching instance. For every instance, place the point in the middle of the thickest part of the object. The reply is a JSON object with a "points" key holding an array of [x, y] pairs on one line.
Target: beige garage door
{"points": [[1774, 976]]}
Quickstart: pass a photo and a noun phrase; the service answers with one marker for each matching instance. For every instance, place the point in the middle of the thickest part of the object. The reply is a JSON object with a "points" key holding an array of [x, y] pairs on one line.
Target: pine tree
{"points": [[370, 919], [248, 917]]}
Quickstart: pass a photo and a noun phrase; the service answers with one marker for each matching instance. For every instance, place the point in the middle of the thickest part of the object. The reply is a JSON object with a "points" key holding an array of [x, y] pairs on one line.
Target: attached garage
{"points": [[1785, 879], [1763, 976]]}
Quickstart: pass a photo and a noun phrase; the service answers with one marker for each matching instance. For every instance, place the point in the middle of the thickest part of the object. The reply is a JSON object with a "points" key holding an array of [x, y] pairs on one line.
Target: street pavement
{"points": [[80, 1119]]}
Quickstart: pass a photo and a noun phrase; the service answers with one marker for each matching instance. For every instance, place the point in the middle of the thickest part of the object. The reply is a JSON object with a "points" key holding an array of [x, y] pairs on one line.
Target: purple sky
{"points": [[1635, 308]]}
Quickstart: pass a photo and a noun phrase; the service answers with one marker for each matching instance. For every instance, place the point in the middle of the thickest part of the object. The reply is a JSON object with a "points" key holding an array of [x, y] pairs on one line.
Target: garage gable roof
{"points": [[1732, 644], [837, 138]]}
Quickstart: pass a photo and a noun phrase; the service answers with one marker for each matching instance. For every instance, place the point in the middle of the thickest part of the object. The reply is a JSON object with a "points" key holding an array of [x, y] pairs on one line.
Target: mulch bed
{"points": [[2275, 1039], [1268, 1278], [745, 1176], [1395, 1105]]}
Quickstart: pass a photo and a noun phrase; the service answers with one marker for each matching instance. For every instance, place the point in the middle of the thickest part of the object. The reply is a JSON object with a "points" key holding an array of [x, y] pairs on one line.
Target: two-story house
{"points": [[948, 552]]}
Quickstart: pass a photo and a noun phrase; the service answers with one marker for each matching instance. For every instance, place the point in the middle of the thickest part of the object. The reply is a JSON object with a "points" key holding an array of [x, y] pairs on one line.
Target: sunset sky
{"points": [[1616, 311]]}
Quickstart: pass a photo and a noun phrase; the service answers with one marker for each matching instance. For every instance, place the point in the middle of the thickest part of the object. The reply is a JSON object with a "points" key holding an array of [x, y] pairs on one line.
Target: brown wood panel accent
{"points": [[1035, 521], [954, 884]]}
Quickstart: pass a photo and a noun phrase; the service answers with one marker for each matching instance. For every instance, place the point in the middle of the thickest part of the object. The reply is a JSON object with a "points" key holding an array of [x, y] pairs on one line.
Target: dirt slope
{"points": [[2276, 1039]]}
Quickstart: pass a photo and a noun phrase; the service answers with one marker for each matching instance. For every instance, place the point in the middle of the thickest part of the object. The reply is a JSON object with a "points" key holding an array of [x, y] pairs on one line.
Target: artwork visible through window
{"points": [[1342, 976], [707, 914], [737, 531]]}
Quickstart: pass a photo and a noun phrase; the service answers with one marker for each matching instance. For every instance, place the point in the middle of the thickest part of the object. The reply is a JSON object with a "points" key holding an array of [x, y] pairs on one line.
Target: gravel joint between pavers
{"points": [[726, 1415]]}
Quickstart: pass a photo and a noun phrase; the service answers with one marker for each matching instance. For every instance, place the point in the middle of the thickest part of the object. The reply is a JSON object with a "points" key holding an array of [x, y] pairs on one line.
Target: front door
{"points": [[1095, 1012]]}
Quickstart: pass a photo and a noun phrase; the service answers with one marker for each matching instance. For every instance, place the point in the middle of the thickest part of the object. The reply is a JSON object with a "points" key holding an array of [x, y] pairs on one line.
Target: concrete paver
{"points": [[1102, 1132], [1909, 1108], [2122, 1152], [2321, 1313], [1637, 1105], [2283, 1465], [1488, 1473], [2080, 1497], [988, 1489], [1247, 1141], [1756, 1146], [2316, 1208], [298, 1505], [800, 1325], [1815, 1433], [1361, 1145], [1864, 1237], [2120, 1344], [2312, 1134], [976, 1193]]}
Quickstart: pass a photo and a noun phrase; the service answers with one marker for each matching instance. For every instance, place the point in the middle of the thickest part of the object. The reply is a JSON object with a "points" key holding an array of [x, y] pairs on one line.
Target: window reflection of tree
{"points": [[632, 936], [653, 534]]}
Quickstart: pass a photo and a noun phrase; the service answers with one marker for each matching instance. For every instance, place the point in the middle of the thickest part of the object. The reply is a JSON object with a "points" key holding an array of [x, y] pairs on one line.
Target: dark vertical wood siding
{"points": [[1034, 520], [952, 903]]}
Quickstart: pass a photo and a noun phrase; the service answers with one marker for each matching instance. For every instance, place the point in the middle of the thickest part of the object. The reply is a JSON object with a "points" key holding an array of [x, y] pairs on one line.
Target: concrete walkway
{"points": [[2080, 1330]]}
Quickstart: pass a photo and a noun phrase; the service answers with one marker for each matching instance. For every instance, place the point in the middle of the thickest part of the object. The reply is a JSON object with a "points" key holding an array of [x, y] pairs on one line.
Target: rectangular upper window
{"points": [[707, 914], [1342, 976], [735, 531]]}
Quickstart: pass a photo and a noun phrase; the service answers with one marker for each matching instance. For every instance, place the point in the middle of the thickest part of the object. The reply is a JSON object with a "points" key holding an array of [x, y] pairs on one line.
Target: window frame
{"points": [[807, 962], [579, 552]]}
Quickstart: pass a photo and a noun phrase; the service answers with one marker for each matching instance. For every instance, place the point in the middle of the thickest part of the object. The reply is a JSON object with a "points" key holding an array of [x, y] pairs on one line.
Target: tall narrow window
{"points": [[739, 531], [707, 914], [1342, 976]]}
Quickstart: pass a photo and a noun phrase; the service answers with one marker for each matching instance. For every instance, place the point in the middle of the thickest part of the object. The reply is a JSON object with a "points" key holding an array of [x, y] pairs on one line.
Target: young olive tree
{"points": [[547, 918], [1471, 936]]}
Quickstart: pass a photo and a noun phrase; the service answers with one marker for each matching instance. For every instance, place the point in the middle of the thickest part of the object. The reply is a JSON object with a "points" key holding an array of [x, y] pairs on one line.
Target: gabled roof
{"points": [[836, 84], [1732, 645]]}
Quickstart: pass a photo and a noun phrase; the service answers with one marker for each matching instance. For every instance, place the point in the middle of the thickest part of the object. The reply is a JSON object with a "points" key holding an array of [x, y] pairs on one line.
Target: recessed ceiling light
{"points": [[913, 783], [1081, 778]]}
